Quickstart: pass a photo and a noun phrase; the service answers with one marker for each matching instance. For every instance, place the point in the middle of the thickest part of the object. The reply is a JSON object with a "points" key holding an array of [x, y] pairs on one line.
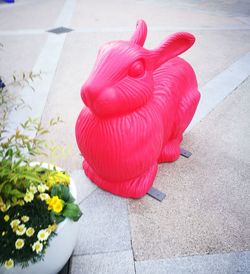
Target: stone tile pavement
{"points": [[203, 224]]}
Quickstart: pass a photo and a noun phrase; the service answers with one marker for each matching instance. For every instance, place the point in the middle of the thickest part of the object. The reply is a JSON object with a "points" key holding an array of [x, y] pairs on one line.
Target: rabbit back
{"points": [[176, 95]]}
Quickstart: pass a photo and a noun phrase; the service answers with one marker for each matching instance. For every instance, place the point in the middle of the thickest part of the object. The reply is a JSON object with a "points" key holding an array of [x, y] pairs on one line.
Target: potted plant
{"points": [[38, 212]]}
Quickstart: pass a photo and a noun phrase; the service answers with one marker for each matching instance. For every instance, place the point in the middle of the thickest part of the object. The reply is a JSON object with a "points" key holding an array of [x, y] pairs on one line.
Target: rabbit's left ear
{"points": [[140, 33], [173, 46]]}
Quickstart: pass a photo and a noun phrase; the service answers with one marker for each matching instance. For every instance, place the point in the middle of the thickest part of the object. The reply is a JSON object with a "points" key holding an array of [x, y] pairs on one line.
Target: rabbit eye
{"points": [[136, 69]]}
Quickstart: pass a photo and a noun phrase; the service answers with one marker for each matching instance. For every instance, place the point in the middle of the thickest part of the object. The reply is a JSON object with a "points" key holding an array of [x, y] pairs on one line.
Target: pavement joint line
{"points": [[197, 255], [217, 89], [204, 263], [152, 29], [115, 30], [46, 63], [101, 253], [130, 234], [22, 32], [85, 198]]}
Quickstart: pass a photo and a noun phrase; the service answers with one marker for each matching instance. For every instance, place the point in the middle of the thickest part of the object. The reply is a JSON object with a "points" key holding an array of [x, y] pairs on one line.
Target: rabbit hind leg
{"points": [[171, 151], [133, 188]]}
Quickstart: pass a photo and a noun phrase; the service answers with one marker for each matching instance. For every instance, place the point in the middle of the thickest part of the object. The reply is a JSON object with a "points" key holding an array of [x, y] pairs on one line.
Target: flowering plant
{"points": [[33, 199], [30, 212]]}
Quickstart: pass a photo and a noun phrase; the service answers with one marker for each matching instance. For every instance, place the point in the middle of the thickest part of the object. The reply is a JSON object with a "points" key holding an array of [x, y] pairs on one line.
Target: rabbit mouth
{"points": [[104, 108]]}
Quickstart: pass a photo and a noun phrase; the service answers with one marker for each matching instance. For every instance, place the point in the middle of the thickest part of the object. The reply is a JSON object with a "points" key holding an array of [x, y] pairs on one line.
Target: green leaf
{"points": [[16, 164], [16, 193], [61, 191], [72, 211], [9, 153], [65, 193], [56, 191], [71, 198], [7, 188], [57, 218]]}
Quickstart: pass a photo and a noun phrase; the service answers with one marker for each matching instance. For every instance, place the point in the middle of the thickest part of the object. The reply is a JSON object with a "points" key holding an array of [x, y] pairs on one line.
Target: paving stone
{"points": [[231, 263], [107, 263], [157, 12], [26, 14], [14, 62], [220, 87], [84, 186], [104, 226]]}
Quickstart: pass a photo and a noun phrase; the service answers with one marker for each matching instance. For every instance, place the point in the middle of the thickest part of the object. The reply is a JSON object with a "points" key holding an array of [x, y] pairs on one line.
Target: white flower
{"points": [[44, 196], [29, 196], [37, 247], [43, 235], [19, 243], [14, 224], [9, 264], [6, 218], [42, 188], [21, 229], [33, 189], [25, 219], [30, 231], [20, 202]]}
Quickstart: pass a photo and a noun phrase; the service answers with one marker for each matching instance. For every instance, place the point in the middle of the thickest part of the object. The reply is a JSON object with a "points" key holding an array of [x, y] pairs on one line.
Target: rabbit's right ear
{"points": [[174, 45]]}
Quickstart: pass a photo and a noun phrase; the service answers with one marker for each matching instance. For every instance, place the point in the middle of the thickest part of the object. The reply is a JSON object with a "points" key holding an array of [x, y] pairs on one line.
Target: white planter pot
{"points": [[60, 248]]}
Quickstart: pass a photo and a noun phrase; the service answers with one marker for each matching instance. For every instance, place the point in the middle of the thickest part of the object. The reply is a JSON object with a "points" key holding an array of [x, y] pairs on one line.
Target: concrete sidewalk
{"points": [[202, 226]]}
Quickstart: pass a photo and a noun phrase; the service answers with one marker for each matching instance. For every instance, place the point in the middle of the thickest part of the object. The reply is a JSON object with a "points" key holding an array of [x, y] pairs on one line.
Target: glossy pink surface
{"points": [[138, 104]]}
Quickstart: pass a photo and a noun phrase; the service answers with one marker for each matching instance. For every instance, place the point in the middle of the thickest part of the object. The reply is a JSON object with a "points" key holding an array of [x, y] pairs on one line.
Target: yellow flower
{"points": [[58, 177], [3, 233], [58, 206], [29, 196], [14, 224], [9, 264], [51, 228], [44, 196], [42, 235], [21, 229], [6, 218], [52, 201], [3, 207], [55, 203], [42, 188], [25, 219], [19, 243], [33, 189], [30, 231], [37, 247], [20, 202]]}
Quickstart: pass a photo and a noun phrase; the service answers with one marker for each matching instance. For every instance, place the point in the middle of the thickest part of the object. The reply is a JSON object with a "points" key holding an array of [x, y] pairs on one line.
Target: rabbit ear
{"points": [[140, 33], [173, 46]]}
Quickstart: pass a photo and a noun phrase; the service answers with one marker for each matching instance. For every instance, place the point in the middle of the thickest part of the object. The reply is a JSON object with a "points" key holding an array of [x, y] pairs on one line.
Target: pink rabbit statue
{"points": [[138, 104]]}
